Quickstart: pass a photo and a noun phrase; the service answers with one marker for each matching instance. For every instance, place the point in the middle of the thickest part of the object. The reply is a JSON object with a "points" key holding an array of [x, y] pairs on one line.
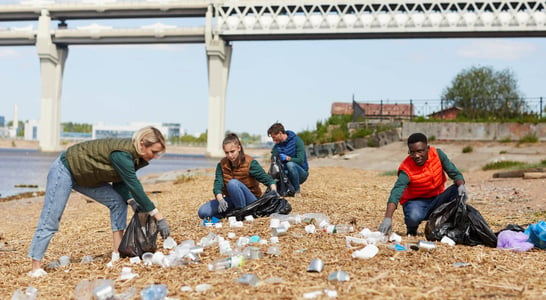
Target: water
{"points": [[29, 167]]}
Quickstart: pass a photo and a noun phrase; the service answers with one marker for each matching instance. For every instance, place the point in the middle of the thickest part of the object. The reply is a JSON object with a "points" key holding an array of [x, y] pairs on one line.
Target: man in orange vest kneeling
{"points": [[420, 187]]}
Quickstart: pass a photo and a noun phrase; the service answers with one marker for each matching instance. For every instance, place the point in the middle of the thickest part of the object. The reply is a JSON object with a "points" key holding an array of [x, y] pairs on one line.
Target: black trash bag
{"points": [[460, 222], [511, 227], [139, 237], [266, 205], [277, 172]]}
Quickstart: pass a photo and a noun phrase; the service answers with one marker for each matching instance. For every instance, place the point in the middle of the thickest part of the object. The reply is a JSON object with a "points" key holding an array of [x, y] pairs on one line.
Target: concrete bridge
{"points": [[225, 22]]}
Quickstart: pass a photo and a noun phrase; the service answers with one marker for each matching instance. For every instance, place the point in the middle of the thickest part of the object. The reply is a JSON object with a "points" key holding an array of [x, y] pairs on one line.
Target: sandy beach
{"points": [[348, 189]]}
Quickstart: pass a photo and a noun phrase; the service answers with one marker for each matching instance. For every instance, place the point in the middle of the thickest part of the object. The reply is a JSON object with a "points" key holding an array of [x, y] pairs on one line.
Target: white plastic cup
{"points": [[274, 223], [310, 228], [157, 258], [64, 260], [366, 252], [147, 258], [169, 243]]}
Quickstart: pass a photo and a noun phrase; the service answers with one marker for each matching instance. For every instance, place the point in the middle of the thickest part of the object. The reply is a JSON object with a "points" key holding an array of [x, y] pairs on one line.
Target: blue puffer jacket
{"points": [[293, 146]]}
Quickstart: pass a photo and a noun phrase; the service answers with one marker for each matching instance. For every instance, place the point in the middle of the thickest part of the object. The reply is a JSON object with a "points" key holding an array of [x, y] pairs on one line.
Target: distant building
{"points": [[450, 113], [3, 129], [126, 131], [375, 111], [31, 130]]}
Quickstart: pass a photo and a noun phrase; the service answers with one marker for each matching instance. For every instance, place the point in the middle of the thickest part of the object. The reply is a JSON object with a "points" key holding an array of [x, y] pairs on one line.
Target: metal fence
{"points": [[426, 107]]}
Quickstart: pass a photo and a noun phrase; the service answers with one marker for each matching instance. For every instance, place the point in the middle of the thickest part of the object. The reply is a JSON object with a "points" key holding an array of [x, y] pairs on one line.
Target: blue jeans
{"points": [[59, 185], [239, 197], [418, 210], [296, 174]]}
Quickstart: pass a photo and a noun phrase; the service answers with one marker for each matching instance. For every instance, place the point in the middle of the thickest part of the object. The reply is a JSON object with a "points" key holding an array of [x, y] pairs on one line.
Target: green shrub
{"points": [[529, 138], [502, 165], [432, 138], [503, 152], [468, 149], [506, 140], [390, 173]]}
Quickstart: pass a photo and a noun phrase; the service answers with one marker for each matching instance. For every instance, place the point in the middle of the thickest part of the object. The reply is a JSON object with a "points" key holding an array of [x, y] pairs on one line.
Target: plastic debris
{"points": [[169, 243], [154, 292], [316, 265], [203, 287], [447, 240], [249, 279], [366, 252], [339, 276], [30, 293], [126, 274]]}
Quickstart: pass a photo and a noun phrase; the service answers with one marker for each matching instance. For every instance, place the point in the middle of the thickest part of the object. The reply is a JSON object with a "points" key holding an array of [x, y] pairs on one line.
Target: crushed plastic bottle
{"points": [[154, 292], [227, 263], [249, 279], [339, 228], [30, 293], [104, 290]]}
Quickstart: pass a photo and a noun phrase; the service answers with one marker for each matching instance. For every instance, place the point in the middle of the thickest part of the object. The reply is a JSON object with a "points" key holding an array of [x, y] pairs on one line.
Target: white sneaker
{"points": [[37, 273], [115, 257]]}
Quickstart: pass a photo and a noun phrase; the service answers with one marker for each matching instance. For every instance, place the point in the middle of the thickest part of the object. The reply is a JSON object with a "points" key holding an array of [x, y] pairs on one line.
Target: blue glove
{"points": [[282, 156]]}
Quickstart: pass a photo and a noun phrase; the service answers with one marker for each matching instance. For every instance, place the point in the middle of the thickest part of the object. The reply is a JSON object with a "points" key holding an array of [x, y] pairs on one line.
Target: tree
{"points": [[483, 93]]}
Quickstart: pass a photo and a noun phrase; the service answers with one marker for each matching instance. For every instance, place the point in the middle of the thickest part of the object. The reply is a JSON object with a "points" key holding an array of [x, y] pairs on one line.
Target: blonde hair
{"points": [[148, 135]]}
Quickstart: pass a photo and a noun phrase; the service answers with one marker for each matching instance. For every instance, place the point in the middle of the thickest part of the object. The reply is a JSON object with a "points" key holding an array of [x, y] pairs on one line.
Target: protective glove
{"points": [[134, 205], [386, 226], [462, 190], [163, 228], [282, 156], [222, 205]]}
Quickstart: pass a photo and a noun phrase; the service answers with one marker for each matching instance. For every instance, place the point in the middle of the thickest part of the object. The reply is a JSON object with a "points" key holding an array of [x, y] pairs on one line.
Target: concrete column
{"points": [[52, 61], [218, 63]]}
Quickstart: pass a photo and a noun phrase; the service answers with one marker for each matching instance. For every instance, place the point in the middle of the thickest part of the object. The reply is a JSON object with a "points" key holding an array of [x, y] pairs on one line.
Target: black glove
{"points": [[134, 205], [386, 226], [163, 228]]}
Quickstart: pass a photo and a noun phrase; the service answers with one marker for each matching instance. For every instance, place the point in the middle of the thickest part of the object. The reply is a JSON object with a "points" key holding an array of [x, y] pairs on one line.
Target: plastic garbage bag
{"points": [[266, 205], [139, 237], [514, 240], [277, 172], [460, 222], [537, 234]]}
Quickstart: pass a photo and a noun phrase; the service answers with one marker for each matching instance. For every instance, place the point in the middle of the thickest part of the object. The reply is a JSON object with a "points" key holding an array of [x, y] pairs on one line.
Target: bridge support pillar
{"points": [[218, 62], [52, 61]]}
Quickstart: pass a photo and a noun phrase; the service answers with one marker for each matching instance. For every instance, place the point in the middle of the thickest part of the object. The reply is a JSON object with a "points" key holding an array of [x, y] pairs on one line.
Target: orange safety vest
{"points": [[426, 181]]}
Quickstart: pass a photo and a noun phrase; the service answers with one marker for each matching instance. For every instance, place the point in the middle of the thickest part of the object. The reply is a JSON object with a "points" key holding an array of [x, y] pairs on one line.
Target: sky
{"points": [[292, 82]]}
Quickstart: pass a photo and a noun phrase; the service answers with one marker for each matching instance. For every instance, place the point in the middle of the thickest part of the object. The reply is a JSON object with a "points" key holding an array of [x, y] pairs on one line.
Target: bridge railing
{"points": [[234, 20]]}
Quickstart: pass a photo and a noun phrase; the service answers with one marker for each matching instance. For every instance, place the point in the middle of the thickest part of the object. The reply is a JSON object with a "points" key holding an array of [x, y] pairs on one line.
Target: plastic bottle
{"points": [[230, 262], [154, 292], [339, 228]]}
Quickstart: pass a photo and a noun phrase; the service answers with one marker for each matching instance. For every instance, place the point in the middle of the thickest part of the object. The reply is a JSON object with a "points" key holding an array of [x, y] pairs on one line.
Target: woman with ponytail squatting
{"points": [[237, 179], [105, 171]]}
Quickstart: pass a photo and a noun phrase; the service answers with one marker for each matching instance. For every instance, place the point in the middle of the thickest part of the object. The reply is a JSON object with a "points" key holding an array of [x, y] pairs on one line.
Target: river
{"points": [[25, 170]]}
